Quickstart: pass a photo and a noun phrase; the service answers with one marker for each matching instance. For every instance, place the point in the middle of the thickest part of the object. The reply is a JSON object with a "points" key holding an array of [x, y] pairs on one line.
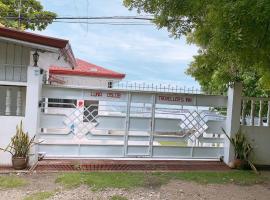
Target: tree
{"points": [[32, 15], [233, 37]]}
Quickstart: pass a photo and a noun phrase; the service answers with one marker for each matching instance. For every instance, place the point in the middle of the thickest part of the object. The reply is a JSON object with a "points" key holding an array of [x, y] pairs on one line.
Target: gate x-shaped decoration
{"points": [[82, 120], [193, 124]]}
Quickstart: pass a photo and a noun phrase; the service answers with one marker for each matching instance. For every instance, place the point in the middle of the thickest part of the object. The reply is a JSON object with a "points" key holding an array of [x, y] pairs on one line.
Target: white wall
{"points": [[260, 139], [47, 59], [7, 130], [87, 81]]}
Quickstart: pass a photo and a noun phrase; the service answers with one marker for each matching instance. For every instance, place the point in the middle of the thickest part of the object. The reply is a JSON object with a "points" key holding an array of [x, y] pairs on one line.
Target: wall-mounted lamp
{"points": [[35, 58]]}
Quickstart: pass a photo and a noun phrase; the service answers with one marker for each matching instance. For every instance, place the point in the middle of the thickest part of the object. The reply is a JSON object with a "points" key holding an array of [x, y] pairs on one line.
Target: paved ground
{"points": [[174, 190], [93, 165]]}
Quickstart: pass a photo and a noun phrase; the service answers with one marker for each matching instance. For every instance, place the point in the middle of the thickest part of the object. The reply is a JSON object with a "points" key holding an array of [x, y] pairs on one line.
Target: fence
{"points": [[126, 123], [123, 123], [255, 111], [142, 86]]}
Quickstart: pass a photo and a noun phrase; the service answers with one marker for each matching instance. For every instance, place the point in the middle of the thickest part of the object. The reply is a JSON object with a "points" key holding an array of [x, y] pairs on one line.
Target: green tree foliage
{"points": [[233, 37], [32, 14]]}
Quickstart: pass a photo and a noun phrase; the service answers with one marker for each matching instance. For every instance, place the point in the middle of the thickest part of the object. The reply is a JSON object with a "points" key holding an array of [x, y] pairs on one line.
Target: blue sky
{"points": [[144, 53]]}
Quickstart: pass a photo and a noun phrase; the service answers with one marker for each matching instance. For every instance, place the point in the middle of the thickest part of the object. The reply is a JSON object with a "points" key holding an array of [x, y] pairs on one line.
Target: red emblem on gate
{"points": [[80, 103]]}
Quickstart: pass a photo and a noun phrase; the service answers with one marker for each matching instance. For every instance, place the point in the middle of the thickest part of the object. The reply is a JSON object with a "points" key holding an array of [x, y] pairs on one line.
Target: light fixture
{"points": [[35, 58]]}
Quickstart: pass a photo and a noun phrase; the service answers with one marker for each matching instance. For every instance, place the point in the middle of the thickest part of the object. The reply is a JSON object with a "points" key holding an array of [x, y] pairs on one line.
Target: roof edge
{"points": [[93, 74], [34, 38]]}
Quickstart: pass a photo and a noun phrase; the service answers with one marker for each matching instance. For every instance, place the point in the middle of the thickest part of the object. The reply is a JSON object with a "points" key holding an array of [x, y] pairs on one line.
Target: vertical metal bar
{"points": [[127, 124], [268, 114], [252, 113], [244, 103], [192, 151], [79, 149], [13, 64], [152, 125], [8, 101], [260, 113], [19, 102], [5, 72]]}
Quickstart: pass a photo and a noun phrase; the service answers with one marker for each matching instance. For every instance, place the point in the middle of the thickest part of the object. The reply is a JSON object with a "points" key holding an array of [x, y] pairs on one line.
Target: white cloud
{"points": [[139, 51]]}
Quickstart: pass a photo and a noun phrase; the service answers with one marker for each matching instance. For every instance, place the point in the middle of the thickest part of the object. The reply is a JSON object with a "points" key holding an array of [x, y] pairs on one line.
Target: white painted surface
{"points": [[260, 139], [87, 81], [233, 118], [47, 59], [8, 129], [32, 111]]}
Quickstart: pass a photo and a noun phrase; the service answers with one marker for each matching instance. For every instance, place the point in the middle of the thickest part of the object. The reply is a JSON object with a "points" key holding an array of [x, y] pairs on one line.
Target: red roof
{"points": [[86, 69], [40, 39]]}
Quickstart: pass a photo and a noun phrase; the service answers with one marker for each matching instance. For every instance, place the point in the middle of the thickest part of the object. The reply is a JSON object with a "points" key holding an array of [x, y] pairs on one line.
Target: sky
{"points": [[143, 53]]}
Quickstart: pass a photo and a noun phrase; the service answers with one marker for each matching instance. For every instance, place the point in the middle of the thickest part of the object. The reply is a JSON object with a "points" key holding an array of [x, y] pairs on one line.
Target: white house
{"points": [[84, 74], [19, 50]]}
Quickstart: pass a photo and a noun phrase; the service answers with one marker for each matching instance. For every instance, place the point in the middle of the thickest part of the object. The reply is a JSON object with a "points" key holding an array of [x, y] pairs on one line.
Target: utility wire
{"points": [[94, 18], [103, 23], [114, 20]]}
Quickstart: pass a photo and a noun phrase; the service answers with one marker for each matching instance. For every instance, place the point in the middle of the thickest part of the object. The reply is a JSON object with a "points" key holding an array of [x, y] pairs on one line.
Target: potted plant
{"points": [[19, 148], [242, 151]]}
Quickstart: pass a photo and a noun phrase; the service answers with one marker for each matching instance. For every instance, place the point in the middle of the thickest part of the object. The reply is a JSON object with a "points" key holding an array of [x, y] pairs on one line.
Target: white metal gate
{"points": [[119, 123]]}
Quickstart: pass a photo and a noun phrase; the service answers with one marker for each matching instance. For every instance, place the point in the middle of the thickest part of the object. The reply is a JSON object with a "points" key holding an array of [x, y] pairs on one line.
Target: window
{"points": [[12, 100], [110, 84], [62, 103]]}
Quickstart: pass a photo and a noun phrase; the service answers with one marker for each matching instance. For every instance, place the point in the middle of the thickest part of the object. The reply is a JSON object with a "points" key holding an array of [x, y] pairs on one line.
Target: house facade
{"points": [[56, 63]]}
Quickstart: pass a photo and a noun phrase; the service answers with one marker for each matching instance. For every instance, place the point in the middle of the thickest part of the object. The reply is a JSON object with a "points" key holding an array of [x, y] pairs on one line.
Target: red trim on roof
{"points": [[33, 38], [40, 39], [86, 69]]}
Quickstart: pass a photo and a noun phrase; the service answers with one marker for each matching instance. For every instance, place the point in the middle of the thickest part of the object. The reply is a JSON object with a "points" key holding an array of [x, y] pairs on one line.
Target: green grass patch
{"points": [[236, 176], [11, 182], [101, 180], [39, 196], [118, 197]]}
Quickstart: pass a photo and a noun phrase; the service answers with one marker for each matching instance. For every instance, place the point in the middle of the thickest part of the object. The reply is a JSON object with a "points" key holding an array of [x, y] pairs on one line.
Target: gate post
{"points": [[32, 111], [233, 118]]}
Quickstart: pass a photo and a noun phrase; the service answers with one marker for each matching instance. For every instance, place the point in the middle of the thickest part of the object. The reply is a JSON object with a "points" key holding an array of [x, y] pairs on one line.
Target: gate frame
{"points": [[35, 83]]}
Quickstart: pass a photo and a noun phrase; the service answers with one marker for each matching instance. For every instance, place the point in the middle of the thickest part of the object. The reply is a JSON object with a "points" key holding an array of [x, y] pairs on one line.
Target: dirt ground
{"points": [[172, 191]]}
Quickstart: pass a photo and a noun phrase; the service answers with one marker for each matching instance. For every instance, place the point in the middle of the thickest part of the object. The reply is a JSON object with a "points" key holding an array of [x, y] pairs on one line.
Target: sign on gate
{"points": [[106, 95], [173, 99]]}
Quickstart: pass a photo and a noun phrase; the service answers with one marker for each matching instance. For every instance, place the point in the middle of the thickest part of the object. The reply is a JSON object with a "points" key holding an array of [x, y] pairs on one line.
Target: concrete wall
{"points": [[260, 138], [7, 130], [87, 81], [47, 59]]}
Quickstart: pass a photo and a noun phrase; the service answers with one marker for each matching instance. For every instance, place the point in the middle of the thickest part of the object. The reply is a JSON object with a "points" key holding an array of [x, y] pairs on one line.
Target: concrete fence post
{"points": [[32, 111], [233, 118]]}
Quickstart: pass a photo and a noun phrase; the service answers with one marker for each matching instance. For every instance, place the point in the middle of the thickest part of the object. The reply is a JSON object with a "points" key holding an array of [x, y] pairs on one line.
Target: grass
{"points": [[236, 177], [39, 196], [101, 180], [11, 182], [118, 197]]}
